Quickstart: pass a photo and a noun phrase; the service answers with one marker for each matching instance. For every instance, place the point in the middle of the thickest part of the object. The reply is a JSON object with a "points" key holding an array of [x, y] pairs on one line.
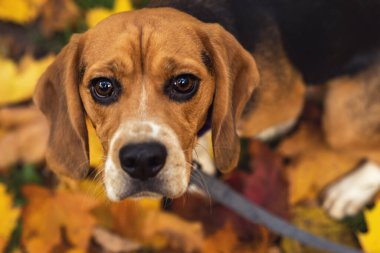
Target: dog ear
{"points": [[57, 96], [236, 76]]}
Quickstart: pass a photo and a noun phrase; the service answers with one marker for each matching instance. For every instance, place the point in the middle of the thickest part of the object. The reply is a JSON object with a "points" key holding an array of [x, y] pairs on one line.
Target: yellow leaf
{"points": [[9, 216], [20, 80], [314, 220], [122, 5], [52, 218], [20, 11], [370, 240], [93, 188], [314, 164], [96, 149], [96, 15]]}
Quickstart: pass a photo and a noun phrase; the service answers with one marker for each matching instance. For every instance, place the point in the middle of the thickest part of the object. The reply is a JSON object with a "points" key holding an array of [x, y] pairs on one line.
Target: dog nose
{"points": [[143, 160]]}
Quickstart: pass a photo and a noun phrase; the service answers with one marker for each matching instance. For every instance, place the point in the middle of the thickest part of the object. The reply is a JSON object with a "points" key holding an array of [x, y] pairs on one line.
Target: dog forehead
{"points": [[164, 29], [168, 19]]}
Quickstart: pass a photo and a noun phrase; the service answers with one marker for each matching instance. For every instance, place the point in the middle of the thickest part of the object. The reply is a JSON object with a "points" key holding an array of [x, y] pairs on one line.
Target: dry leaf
{"points": [[181, 235], [114, 243], [58, 15], [313, 163], [52, 218], [20, 11], [19, 81], [223, 241], [267, 168], [9, 216], [96, 15], [370, 240], [25, 135], [314, 220], [144, 221]]}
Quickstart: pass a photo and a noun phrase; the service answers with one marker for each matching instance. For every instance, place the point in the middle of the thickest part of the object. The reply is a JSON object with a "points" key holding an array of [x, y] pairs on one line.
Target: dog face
{"points": [[149, 81]]}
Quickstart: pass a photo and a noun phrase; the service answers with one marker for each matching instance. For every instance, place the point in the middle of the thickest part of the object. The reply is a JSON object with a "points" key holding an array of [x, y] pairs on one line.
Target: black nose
{"points": [[143, 160]]}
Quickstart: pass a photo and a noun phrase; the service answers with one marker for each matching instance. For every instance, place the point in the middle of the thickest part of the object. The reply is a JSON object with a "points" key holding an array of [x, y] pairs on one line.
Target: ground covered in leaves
{"points": [[39, 213]]}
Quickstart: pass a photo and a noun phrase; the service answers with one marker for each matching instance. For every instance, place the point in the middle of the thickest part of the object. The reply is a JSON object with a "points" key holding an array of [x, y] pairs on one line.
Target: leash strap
{"points": [[225, 195]]}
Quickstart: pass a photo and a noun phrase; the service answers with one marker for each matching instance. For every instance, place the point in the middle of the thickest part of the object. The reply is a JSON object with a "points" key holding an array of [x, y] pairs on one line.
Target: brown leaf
{"points": [[52, 218], [25, 136], [114, 243], [144, 221], [223, 241], [58, 15]]}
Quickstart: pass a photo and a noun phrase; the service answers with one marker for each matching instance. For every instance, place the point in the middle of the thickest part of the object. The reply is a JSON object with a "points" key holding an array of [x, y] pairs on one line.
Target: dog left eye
{"points": [[182, 87], [104, 90]]}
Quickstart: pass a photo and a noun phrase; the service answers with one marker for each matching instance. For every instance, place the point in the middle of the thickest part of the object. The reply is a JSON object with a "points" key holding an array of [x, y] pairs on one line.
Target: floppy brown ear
{"points": [[57, 96], [236, 76]]}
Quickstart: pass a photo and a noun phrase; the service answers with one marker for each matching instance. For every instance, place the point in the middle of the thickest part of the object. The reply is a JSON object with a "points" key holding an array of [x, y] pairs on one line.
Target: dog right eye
{"points": [[104, 90]]}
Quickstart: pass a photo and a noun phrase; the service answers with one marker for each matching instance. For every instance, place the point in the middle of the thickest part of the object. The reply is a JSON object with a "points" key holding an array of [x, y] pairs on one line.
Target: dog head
{"points": [[149, 81]]}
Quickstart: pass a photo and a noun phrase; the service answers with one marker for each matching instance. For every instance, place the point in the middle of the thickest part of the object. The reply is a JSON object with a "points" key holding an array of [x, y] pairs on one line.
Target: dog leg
{"points": [[348, 196], [276, 131]]}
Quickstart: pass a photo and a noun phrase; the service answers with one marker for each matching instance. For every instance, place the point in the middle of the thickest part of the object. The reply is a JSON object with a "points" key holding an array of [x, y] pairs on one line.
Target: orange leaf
{"points": [[52, 216], [143, 221], [223, 241]]}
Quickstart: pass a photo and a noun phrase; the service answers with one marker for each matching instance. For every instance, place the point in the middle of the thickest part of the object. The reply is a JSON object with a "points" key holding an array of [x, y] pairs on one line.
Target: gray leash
{"points": [[225, 195]]}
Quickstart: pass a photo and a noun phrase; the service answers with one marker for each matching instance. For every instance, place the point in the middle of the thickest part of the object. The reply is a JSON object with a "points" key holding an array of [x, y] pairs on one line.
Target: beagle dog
{"points": [[153, 81]]}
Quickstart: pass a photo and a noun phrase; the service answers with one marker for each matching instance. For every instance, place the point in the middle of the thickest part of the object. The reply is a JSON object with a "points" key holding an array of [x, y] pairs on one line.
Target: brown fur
{"points": [[352, 108], [141, 49], [145, 48]]}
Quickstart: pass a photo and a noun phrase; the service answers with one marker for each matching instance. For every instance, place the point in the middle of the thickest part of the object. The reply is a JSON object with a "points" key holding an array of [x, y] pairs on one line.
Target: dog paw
{"points": [[348, 196]]}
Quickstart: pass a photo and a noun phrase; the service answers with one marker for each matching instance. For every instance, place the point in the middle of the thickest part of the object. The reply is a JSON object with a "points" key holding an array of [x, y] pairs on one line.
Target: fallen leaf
{"points": [[181, 235], [9, 216], [20, 11], [76, 250], [58, 15], [313, 164], [20, 79], [314, 220], [223, 241], [145, 222], [96, 15], [96, 149], [114, 243], [370, 240], [25, 135], [267, 168], [52, 218]]}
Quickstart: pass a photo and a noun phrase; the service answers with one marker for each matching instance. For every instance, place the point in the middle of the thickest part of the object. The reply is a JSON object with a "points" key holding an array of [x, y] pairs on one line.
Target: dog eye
{"points": [[182, 87], [104, 90]]}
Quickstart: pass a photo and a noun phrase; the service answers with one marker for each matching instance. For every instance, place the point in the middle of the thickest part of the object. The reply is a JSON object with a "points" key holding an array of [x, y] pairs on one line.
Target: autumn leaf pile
{"points": [[40, 213]]}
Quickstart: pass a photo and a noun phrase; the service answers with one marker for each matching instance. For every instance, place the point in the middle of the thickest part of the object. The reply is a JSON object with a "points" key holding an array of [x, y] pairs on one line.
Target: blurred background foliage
{"points": [[40, 213]]}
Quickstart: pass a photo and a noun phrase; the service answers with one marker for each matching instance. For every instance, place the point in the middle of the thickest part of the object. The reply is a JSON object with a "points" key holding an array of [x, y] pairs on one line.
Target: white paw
{"points": [[349, 195]]}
